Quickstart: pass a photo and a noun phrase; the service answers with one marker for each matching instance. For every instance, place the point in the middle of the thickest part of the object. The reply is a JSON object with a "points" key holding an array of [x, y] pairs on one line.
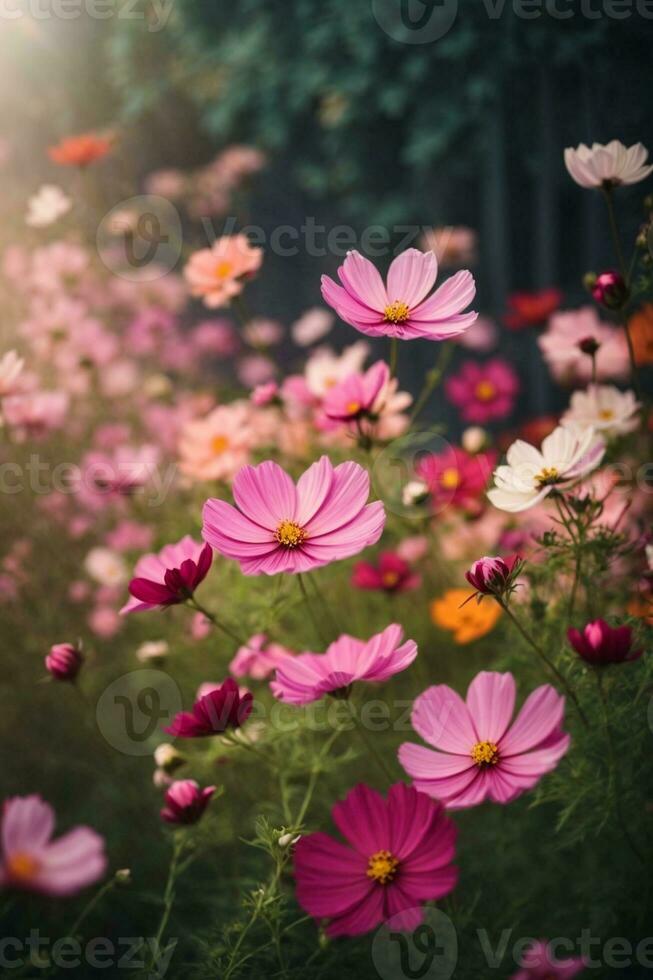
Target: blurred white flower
{"points": [[106, 566], [152, 650], [605, 409], [612, 164], [414, 493], [474, 439], [46, 206]]}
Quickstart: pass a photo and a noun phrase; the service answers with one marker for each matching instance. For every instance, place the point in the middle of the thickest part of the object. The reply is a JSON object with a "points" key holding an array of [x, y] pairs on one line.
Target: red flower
{"points": [[531, 309], [224, 707], [390, 574], [599, 644], [79, 151], [186, 802]]}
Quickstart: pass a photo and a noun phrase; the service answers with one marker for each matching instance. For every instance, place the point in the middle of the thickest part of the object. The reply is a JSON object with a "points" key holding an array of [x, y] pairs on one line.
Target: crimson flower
{"points": [[599, 644], [222, 708]]}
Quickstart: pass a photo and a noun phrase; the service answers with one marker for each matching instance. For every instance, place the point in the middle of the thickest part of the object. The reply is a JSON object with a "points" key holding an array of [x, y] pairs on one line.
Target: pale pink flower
{"points": [[609, 164], [309, 676], [32, 861], [481, 337], [454, 245], [324, 369], [413, 548], [11, 366], [265, 393], [400, 307], [104, 621], [262, 332], [258, 658], [216, 274], [255, 369], [217, 446], [106, 567], [283, 527], [480, 754], [561, 347], [311, 326], [34, 415], [216, 337]]}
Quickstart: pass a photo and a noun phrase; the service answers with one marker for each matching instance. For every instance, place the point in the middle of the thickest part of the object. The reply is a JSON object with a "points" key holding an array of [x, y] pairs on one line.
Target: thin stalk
{"points": [[616, 242], [542, 655], [168, 897], [614, 768], [394, 356], [83, 915], [433, 379], [370, 746], [311, 611], [227, 630]]}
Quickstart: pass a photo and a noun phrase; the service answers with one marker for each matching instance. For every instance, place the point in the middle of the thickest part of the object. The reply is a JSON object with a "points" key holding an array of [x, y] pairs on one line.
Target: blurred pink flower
{"points": [[391, 573], [217, 446], [264, 394], [129, 535], [561, 347], [35, 415], [485, 391], [311, 326], [413, 547], [216, 337], [283, 527], [481, 337], [104, 621], [200, 627], [32, 861], [454, 245], [255, 369], [263, 332], [217, 274], [400, 308], [258, 658], [457, 478], [540, 963], [11, 366]]}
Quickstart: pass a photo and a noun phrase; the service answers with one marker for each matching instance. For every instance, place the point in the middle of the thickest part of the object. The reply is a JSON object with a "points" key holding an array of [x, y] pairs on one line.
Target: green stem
{"points": [[616, 242], [370, 745], [311, 611], [84, 914], [542, 655], [433, 379], [615, 775], [216, 622], [168, 897], [394, 356]]}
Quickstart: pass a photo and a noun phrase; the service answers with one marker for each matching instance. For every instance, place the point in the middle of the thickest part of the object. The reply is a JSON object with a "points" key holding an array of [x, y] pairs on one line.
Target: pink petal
{"points": [[441, 717], [266, 494], [223, 520], [349, 309], [362, 280], [362, 917], [27, 824], [347, 497], [362, 818], [541, 714], [450, 298], [313, 487], [411, 276], [491, 702]]}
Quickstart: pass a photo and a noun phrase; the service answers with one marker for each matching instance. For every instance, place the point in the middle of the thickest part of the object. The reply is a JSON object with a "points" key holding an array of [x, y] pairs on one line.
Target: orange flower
{"points": [[640, 327], [79, 151], [468, 622], [641, 606]]}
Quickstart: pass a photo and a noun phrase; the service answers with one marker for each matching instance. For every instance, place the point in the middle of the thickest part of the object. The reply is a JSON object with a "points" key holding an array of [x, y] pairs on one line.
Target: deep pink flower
{"points": [[64, 661], [390, 574], [280, 527], [355, 396], [490, 576], [480, 753], [31, 861], [483, 392], [610, 290], [169, 577], [599, 644], [400, 307], [258, 658], [539, 963], [310, 676], [185, 801], [456, 477], [222, 708], [399, 857]]}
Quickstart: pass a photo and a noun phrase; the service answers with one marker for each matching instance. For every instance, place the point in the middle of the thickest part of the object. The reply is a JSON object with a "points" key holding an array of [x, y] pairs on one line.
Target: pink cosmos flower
{"points": [[216, 446], [310, 676], [216, 274], [539, 963], [169, 577], [31, 861], [392, 573], [34, 415], [456, 477], [265, 394], [600, 644], [185, 801], [483, 392], [570, 333], [356, 395], [399, 856], [400, 307], [220, 708], [480, 754], [258, 658], [283, 527]]}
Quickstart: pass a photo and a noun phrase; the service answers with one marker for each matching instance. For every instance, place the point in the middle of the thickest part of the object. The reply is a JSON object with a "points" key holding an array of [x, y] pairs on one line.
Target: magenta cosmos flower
{"points": [[400, 308], [169, 577], [32, 861], [280, 527], [185, 801], [599, 644], [492, 576], [480, 754], [310, 676], [539, 963], [399, 856], [356, 395], [390, 574], [483, 392], [221, 708]]}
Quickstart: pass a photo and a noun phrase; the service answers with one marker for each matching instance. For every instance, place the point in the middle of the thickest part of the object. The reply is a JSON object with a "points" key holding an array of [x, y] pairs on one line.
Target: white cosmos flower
{"points": [[531, 474], [47, 206], [612, 164], [325, 368], [605, 409], [106, 566]]}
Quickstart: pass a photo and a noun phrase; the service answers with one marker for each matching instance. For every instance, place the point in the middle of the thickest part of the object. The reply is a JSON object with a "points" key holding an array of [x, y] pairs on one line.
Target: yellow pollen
{"points": [[223, 270], [382, 867], [330, 382], [606, 414], [219, 444], [485, 754], [390, 579], [353, 408], [290, 534], [397, 312], [22, 867], [548, 475], [485, 390], [450, 479]]}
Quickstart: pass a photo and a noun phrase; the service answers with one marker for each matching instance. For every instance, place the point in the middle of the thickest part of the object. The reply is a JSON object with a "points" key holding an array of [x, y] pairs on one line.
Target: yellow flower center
{"points": [[485, 754], [397, 312], [547, 475], [353, 408], [382, 867], [485, 391], [606, 414], [223, 269], [390, 579], [290, 535], [219, 444], [22, 867], [450, 478]]}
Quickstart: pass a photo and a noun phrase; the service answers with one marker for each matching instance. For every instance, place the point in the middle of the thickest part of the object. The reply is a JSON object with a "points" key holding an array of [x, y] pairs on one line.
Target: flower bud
{"points": [[167, 757], [493, 576], [123, 876], [610, 290], [474, 439], [286, 840], [64, 661]]}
